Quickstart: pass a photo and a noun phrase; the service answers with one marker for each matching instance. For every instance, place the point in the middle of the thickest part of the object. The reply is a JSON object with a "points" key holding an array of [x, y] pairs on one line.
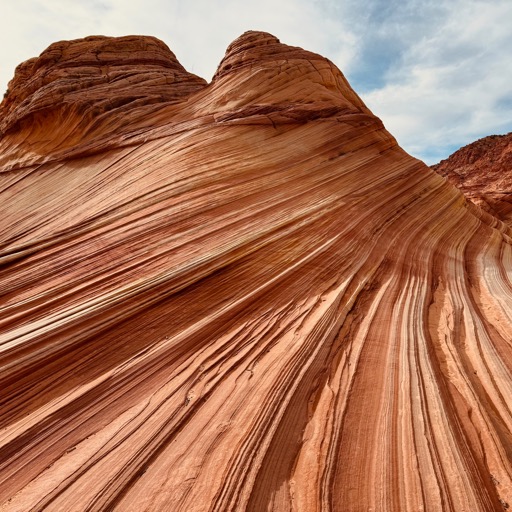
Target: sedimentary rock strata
{"points": [[81, 89], [241, 295], [482, 170]]}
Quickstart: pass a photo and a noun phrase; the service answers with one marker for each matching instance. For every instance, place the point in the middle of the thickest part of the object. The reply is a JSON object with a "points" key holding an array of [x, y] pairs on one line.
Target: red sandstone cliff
{"points": [[240, 295], [482, 170]]}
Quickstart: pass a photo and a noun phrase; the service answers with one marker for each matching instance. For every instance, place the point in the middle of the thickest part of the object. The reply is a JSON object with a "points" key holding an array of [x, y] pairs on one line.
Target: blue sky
{"points": [[437, 72]]}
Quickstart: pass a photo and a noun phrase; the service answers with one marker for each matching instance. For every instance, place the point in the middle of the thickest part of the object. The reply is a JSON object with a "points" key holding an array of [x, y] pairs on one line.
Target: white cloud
{"points": [[451, 85], [197, 31], [437, 72]]}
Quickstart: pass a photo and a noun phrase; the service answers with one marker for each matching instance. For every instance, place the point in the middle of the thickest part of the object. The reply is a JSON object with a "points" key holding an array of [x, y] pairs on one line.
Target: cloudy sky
{"points": [[437, 72]]}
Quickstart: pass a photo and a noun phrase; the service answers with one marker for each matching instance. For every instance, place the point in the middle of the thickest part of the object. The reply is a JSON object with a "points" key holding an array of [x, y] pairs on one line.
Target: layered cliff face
{"points": [[240, 295], [482, 170]]}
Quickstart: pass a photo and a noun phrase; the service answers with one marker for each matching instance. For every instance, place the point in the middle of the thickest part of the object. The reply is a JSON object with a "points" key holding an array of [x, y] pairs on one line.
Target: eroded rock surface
{"points": [[79, 89], [482, 170], [248, 298]]}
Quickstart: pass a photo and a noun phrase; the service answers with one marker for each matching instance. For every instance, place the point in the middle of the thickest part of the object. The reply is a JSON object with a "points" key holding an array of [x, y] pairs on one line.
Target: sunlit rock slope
{"points": [[240, 295]]}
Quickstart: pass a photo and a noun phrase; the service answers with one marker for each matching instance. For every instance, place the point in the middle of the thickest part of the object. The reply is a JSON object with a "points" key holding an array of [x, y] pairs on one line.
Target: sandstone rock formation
{"points": [[76, 90], [240, 295], [482, 170]]}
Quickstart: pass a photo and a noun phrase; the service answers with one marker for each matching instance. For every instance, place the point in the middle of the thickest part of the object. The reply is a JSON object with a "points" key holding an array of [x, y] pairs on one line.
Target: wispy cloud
{"points": [[452, 82], [437, 72]]}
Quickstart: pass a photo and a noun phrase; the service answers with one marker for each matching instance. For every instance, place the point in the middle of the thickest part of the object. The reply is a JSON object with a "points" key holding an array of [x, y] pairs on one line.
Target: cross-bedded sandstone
{"points": [[241, 295]]}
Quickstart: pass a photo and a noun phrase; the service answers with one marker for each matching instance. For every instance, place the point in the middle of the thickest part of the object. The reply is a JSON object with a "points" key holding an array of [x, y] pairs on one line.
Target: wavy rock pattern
{"points": [[248, 298], [78, 90]]}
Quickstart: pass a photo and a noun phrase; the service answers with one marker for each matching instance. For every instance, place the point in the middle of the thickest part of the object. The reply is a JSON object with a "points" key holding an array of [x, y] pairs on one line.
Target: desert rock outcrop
{"points": [[76, 90], [482, 170], [241, 295]]}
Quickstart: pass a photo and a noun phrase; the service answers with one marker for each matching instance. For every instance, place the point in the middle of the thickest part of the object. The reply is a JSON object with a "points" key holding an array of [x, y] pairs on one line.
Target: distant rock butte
{"points": [[239, 296], [483, 172]]}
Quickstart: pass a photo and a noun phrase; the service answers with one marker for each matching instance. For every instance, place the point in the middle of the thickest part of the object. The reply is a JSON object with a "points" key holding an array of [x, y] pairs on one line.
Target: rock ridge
{"points": [[79, 94]]}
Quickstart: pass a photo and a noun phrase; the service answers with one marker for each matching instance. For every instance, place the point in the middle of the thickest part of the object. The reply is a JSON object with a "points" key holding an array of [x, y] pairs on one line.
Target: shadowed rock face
{"points": [[483, 172], [242, 296]]}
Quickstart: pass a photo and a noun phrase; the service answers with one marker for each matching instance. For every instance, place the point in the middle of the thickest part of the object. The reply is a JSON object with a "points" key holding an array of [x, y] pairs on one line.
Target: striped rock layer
{"points": [[240, 296]]}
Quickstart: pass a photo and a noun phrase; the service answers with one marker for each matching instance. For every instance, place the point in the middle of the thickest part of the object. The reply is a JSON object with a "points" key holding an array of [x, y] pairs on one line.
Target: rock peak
{"points": [[89, 57], [251, 38], [258, 71], [254, 46], [85, 78]]}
